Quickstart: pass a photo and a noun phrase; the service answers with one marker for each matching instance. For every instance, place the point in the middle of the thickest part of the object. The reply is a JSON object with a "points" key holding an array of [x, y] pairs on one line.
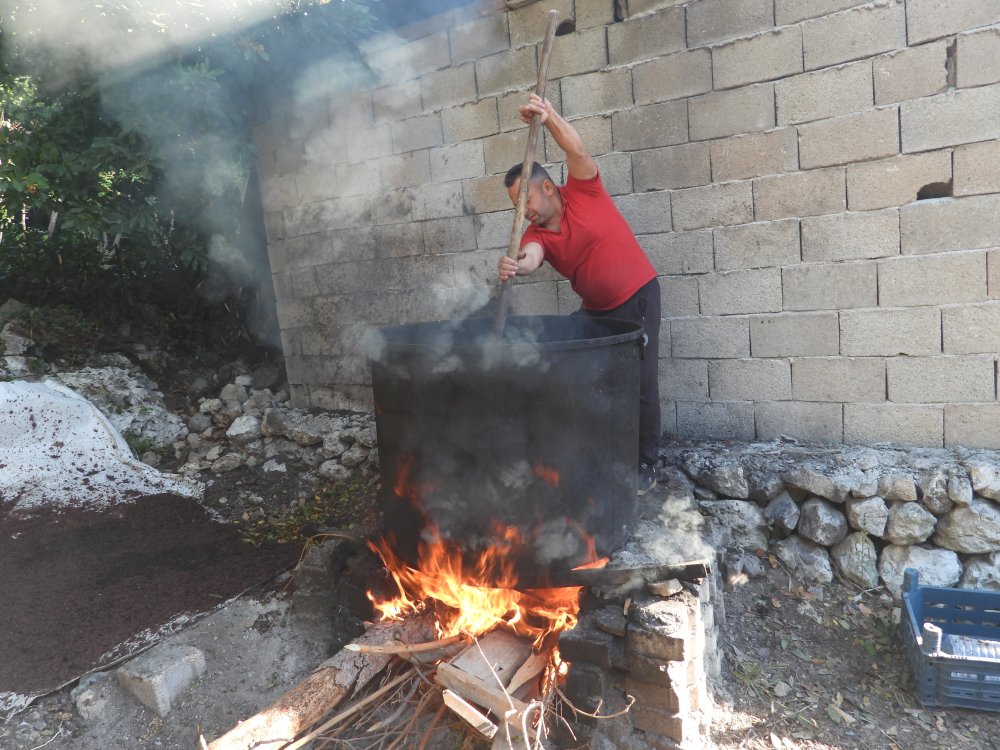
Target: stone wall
{"points": [[814, 180]]}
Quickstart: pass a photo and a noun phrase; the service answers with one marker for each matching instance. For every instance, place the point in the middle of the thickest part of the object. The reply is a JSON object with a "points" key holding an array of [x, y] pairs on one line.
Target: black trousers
{"points": [[643, 308]]}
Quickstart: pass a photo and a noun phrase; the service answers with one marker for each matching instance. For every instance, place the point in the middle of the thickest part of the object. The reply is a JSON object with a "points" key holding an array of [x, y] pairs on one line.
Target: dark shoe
{"points": [[647, 478]]}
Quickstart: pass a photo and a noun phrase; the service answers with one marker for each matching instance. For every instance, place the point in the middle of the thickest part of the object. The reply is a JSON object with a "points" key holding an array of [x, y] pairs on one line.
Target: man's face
{"points": [[540, 205]]}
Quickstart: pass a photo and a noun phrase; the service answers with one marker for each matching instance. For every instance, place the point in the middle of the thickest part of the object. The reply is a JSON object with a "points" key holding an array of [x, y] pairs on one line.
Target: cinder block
{"points": [[450, 235], [811, 422], [824, 93], [594, 93], [479, 38], [679, 252], [395, 206], [672, 167], [932, 19], [932, 280], [493, 230], [595, 131], [931, 380], [713, 205], [950, 119], [895, 181], [413, 59], [668, 415], [972, 426], [457, 162], [594, 13], [950, 224], [649, 127], [794, 335], [510, 69], [911, 73], [468, 121], [993, 273], [528, 23], [773, 54], [642, 7], [485, 194], [647, 37], [676, 699], [851, 236], [413, 168], [646, 213], [279, 192], [978, 58], [720, 20], [971, 329], [859, 137], [509, 101], [821, 191], [568, 299], [396, 102], [368, 143], [750, 380], [727, 420], [422, 131], [675, 76], [503, 150], [762, 245], [616, 173], [685, 379], [894, 424], [710, 337], [914, 331], [357, 179], [158, 676], [437, 201], [679, 296], [582, 52], [538, 298], [734, 292], [449, 86], [830, 287], [733, 112], [854, 34], [755, 155], [976, 168], [793, 11], [838, 379]]}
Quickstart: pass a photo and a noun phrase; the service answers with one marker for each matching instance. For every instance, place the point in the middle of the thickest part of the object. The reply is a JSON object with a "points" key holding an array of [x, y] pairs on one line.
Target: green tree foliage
{"points": [[126, 156]]}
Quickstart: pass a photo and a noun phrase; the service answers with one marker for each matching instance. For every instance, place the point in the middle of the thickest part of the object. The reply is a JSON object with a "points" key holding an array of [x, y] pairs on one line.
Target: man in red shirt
{"points": [[580, 232]]}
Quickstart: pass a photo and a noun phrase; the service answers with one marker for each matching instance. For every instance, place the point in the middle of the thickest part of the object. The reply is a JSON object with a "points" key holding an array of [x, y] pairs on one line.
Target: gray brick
{"points": [[812, 422], [679, 296], [894, 424], [794, 335], [854, 34], [793, 11], [594, 13], [838, 379], [971, 329], [413, 168], [528, 24], [569, 300], [413, 59], [397, 101], [773, 54], [279, 192], [713, 205], [732, 112], [933, 380], [681, 166], [911, 73], [978, 58], [895, 181], [583, 52], [830, 287], [511, 69], [860, 137], [975, 168], [685, 379], [478, 38], [642, 7], [646, 213], [932, 19], [647, 37], [761, 245], [735, 292], [750, 380], [851, 236], [448, 86], [800, 194], [710, 337], [932, 280], [437, 201], [468, 121], [594, 93], [993, 273], [950, 224], [493, 230], [951, 119], [616, 173], [537, 298], [358, 179], [650, 127], [755, 155], [719, 20], [972, 426], [679, 252], [458, 161], [824, 93], [912, 331], [675, 76], [485, 194], [731, 420], [369, 143], [503, 150], [595, 132], [422, 131]]}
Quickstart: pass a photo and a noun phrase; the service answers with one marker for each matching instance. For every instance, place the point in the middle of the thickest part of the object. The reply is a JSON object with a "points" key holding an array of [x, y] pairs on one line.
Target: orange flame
{"points": [[547, 474]]}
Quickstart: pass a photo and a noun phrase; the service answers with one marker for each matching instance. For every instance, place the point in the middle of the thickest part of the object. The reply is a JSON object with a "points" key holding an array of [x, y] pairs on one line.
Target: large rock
{"points": [[856, 560], [835, 488], [982, 573], [960, 489], [739, 521], [973, 529], [821, 522], [934, 492], [897, 486], [937, 567], [909, 523], [727, 478], [157, 677], [782, 514], [985, 476], [869, 515], [804, 559]]}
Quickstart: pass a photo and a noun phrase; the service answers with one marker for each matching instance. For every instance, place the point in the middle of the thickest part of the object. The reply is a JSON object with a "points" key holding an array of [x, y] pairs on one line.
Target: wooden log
{"points": [[307, 703], [469, 713], [490, 697]]}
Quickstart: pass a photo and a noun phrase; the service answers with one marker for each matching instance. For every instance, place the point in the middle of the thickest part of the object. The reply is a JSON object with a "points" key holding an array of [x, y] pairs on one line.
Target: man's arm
{"points": [[529, 260], [579, 163]]}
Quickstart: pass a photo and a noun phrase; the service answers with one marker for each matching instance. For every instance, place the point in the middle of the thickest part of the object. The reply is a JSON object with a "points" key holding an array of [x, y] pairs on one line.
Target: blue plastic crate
{"points": [[952, 639]]}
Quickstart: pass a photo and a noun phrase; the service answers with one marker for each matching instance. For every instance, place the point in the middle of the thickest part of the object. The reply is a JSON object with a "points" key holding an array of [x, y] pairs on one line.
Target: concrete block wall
{"points": [[814, 180]]}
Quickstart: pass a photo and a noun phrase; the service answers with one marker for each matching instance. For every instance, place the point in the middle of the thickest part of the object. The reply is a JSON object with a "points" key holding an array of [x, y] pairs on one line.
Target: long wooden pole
{"points": [[504, 301]]}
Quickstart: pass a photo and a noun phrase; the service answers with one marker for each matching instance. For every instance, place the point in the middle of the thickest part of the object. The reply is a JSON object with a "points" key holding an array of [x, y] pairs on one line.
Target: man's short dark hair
{"points": [[537, 173]]}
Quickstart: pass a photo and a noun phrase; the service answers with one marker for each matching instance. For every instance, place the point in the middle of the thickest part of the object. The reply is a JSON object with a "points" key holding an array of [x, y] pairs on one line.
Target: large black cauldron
{"points": [[537, 431]]}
